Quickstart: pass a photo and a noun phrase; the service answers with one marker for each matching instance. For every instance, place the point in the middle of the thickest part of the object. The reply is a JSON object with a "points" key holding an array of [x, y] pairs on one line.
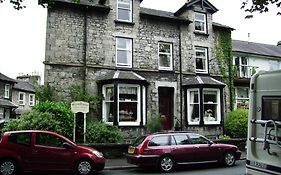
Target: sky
{"points": [[22, 33]]}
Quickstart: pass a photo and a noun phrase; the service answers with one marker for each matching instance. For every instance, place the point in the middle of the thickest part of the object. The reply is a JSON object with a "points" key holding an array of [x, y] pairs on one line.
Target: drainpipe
{"points": [[84, 72], [180, 64]]}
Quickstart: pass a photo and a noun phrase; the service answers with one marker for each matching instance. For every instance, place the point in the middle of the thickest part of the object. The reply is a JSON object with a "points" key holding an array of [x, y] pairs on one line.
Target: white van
{"points": [[264, 125]]}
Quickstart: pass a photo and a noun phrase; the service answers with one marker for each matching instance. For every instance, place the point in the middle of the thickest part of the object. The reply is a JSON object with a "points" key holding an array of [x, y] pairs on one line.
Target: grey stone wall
{"points": [[65, 50]]}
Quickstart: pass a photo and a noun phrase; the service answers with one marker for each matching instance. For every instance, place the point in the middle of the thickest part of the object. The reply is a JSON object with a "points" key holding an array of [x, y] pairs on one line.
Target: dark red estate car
{"points": [[165, 150], [35, 151]]}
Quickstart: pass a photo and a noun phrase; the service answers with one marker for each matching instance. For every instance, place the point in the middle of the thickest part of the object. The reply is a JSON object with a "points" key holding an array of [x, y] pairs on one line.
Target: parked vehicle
{"points": [[35, 151], [165, 150], [264, 124]]}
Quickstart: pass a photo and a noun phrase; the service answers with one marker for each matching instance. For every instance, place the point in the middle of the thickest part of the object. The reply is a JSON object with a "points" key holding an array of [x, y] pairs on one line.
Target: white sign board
{"points": [[80, 106]]}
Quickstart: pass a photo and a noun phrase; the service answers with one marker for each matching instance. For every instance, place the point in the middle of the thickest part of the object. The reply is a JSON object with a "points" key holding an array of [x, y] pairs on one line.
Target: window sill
{"points": [[201, 33], [124, 22]]}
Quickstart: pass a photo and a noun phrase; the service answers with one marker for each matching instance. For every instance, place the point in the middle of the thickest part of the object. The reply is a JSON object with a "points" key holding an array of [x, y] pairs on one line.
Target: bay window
{"points": [[208, 111], [126, 109]]}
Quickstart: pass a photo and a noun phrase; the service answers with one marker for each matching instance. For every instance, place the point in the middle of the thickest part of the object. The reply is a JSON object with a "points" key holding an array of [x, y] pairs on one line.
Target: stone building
{"points": [[143, 61]]}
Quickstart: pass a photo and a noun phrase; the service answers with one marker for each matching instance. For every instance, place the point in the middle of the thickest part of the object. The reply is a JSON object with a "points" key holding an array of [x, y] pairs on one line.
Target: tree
{"points": [[260, 6]]}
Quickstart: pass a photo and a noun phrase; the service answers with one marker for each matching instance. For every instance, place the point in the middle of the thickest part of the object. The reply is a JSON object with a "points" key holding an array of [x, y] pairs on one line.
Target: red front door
{"points": [[165, 107]]}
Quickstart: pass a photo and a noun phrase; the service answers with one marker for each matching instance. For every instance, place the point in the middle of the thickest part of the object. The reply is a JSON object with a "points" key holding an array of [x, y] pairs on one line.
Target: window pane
{"points": [[200, 64], [194, 112], [1, 113], [48, 140], [199, 16], [109, 106], [242, 92], [128, 93], [124, 14], [181, 139], [271, 108], [164, 60], [198, 139], [194, 97], [128, 111], [122, 57], [199, 26], [164, 48], [210, 112], [210, 96], [159, 141], [20, 138], [109, 94]]}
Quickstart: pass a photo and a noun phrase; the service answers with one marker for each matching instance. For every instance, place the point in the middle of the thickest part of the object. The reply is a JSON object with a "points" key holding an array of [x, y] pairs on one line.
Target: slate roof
{"points": [[121, 75], [7, 103], [5, 78], [161, 14], [256, 48], [189, 4], [24, 86], [201, 80]]}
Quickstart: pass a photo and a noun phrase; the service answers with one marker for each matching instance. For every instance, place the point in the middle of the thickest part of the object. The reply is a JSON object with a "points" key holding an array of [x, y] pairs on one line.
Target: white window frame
{"points": [[7, 91], [205, 50], [170, 56], [218, 103], [237, 98], [31, 100], [128, 50], [240, 65], [125, 123], [21, 101], [204, 21], [104, 112], [137, 122], [130, 10], [189, 108]]}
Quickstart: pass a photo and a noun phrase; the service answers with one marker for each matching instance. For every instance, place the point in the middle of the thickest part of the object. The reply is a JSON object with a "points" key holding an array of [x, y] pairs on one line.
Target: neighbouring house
{"points": [[249, 58], [23, 96], [6, 105], [144, 62]]}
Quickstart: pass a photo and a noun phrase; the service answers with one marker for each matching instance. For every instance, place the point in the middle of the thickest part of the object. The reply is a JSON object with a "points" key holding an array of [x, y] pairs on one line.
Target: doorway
{"points": [[166, 106]]}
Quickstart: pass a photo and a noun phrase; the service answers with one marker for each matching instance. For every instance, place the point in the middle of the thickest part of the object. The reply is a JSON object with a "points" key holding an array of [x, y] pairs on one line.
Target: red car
{"points": [[165, 150], [35, 151]]}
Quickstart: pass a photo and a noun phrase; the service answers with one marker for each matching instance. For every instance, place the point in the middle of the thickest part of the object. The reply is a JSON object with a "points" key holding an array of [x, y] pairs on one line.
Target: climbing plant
{"points": [[224, 57]]}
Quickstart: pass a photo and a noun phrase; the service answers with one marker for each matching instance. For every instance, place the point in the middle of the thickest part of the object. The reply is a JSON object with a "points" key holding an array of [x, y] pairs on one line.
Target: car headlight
{"points": [[97, 153]]}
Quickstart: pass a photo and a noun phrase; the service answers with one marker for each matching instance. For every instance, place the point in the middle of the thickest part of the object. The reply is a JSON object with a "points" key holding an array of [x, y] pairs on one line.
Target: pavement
{"points": [[121, 163]]}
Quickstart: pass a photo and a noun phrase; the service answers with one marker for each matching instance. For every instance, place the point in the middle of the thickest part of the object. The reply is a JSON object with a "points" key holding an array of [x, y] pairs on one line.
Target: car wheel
{"points": [[229, 159], [8, 167], [166, 164], [84, 167]]}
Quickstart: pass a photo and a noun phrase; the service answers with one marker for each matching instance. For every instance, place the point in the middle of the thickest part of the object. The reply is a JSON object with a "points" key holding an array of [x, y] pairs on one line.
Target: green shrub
{"points": [[51, 116], [61, 113], [98, 132], [154, 123], [237, 123], [34, 120]]}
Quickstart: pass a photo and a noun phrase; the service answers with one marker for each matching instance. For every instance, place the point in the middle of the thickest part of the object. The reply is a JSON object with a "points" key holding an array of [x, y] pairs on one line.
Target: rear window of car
{"points": [[20, 138], [160, 141], [138, 141]]}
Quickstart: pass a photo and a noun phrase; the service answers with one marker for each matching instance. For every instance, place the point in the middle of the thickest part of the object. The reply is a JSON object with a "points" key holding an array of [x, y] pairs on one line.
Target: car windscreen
{"points": [[138, 141]]}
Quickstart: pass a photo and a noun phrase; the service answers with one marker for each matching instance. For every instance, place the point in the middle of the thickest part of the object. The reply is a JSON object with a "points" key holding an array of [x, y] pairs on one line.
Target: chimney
{"points": [[279, 43]]}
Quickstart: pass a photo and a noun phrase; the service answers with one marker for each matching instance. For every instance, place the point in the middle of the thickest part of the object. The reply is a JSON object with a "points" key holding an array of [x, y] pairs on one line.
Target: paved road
{"points": [[239, 169]]}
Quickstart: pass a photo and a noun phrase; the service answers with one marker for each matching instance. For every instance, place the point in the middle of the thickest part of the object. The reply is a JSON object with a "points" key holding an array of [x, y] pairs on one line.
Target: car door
{"points": [[183, 150], [203, 149], [49, 153]]}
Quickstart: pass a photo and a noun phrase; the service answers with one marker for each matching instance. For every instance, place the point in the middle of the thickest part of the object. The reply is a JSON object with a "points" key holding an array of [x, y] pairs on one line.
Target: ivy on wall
{"points": [[224, 57]]}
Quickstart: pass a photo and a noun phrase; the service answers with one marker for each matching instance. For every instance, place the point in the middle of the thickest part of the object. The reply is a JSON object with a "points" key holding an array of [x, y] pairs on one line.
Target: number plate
{"points": [[131, 150]]}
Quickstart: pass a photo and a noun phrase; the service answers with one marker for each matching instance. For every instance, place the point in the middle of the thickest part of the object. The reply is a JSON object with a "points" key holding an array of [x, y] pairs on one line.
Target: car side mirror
{"points": [[67, 145]]}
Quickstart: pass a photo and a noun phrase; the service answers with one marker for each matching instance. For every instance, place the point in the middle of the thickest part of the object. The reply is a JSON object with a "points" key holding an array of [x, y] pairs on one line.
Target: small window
{"points": [[200, 22], [159, 141], [7, 91], [201, 60], [21, 98], [20, 138], [31, 99], [48, 140], [271, 108], [124, 52], [181, 139], [165, 56], [124, 10]]}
